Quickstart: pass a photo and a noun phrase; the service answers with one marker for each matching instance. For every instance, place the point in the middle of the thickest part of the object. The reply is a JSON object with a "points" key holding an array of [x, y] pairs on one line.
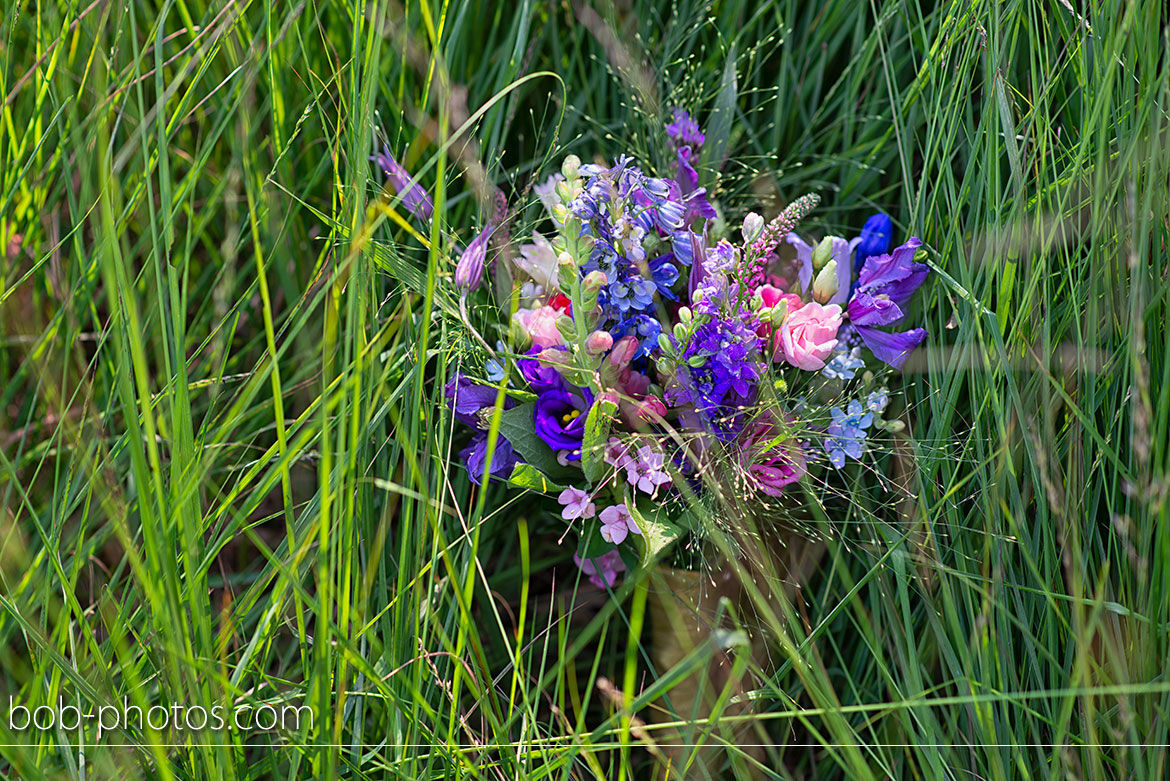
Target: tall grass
{"points": [[225, 465]]}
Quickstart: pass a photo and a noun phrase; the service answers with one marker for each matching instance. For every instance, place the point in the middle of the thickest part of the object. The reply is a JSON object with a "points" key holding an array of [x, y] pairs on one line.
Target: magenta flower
{"points": [[577, 503], [646, 472], [603, 570], [616, 523], [772, 460]]}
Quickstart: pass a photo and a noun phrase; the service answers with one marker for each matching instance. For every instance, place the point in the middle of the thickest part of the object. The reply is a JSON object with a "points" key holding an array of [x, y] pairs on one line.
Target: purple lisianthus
{"points": [[414, 197], [540, 376], [467, 397], [560, 419], [475, 458], [884, 285]]}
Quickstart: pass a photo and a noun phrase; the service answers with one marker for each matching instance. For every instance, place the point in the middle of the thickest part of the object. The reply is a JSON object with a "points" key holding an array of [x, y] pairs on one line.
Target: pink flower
{"points": [[772, 459], [616, 523], [541, 325], [603, 571], [647, 471], [808, 335], [578, 504], [616, 454], [772, 295]]}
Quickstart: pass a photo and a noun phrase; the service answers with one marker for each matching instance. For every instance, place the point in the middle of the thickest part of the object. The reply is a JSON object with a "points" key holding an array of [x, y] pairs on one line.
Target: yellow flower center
{"points": [[569, 417]]}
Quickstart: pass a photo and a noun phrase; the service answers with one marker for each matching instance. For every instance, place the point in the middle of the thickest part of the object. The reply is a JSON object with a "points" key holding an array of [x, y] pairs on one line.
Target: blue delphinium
{"points": [[620, 208], [847, 433]]}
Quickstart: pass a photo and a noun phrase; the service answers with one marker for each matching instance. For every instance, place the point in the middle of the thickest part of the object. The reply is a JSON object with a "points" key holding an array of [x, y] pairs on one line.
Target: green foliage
{"points": [[228, 478]]}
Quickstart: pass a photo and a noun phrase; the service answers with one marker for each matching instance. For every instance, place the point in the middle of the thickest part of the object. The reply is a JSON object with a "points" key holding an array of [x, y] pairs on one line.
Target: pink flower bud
{"points": [[624, 351], [598, 342], [651, 409]]}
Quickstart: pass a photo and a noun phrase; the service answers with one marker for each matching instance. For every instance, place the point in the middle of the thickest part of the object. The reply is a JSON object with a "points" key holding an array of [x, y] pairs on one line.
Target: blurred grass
{"points": [[224, 460]]}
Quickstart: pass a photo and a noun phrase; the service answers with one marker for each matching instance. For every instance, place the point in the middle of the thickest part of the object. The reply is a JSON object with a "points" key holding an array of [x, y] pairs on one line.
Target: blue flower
{"points": [[493, 368], [645, 327], [633, 293], [876, 236], [844, 364], [847, 433], [884, 284]]}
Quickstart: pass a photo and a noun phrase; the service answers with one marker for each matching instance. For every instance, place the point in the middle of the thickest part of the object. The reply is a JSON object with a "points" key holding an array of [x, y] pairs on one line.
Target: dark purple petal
{"points": [[895, 267], [865, 309], [540, 376], [559, 420], [688, 177], [475, 457], [466, 398], [892, 348]]}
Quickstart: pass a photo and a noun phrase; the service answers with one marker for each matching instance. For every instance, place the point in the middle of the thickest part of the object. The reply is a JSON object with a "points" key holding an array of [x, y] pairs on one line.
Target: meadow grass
{"points": [[228, 478]]}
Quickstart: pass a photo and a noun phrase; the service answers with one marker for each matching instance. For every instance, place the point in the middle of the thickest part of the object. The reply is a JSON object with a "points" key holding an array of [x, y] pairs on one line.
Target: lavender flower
{"points": [[414, 197], [603, 570], [647, 472], [617, 523], [616, 453], [684, 129], [577, 503]]}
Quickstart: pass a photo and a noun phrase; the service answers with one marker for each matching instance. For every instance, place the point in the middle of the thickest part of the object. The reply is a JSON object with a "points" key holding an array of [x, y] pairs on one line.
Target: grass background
{"points": [[224, 462]]}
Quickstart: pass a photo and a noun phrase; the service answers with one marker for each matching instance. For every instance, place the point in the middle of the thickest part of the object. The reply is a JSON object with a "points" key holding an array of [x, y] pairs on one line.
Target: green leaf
{"points": [[516, 425], [719, 125], [658, 531], [528, 476], [596, 433]]}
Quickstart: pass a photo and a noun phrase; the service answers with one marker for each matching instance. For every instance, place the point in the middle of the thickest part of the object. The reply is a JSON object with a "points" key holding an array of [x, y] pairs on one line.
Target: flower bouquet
{"points": [[670, 385]]}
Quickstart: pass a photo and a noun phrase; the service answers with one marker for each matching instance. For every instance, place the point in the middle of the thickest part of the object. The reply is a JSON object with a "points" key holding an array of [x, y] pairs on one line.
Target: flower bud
{"points": [[684, 314], [590, 287], [560, 213], [567, 327], [822, 253], [753, 226], [566, 271], [469, 269], [570, 165], [651, 409], [624, 351], [825, 285], [564, 190], [778, 313], [697, 361], [598, 342], [665, 345]]}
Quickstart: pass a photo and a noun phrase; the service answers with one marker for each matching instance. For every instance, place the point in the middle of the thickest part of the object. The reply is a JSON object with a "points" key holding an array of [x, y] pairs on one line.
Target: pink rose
{"points": [[808, 335], [772, 295], [541, 325]]}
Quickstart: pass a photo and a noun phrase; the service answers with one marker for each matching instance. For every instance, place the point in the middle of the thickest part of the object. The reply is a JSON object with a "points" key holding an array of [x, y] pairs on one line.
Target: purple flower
{"points": [[559, 418], [847, 433], [540, 376], [617, 523], [646, 472], [469, 269], [884, 284], [475, 457], [616, 453], [577, 503], [684, 129], [466, 398], [603, 570], [414, 197]]}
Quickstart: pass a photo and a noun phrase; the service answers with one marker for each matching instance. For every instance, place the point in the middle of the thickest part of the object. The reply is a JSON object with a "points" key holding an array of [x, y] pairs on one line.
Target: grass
{"points": [[224, 462]]}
